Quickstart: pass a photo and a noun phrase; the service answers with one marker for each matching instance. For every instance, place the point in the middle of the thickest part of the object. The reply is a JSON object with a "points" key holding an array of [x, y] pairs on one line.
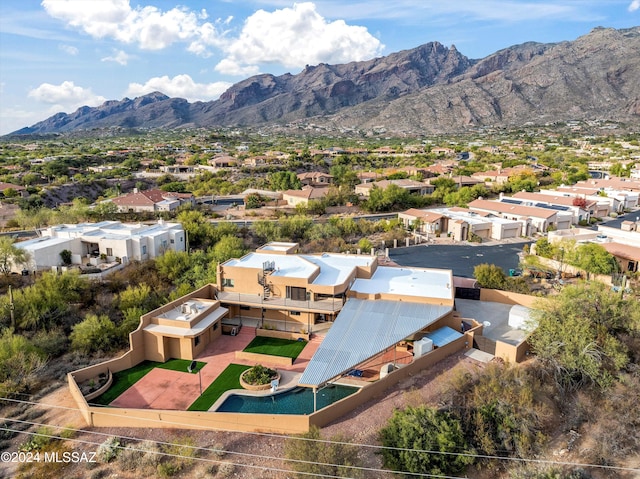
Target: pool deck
{"points": [[175, 390]]}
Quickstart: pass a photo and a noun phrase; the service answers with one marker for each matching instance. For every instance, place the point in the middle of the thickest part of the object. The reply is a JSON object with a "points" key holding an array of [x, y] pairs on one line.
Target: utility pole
{"points": [[12, 309]]}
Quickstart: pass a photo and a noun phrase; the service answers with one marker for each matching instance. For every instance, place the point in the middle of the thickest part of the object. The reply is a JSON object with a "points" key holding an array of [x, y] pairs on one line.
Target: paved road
{"points": [[460, 258]]}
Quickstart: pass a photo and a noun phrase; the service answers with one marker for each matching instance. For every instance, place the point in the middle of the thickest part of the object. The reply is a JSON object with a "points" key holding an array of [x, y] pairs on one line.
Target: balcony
{"points": [[330, 305]]}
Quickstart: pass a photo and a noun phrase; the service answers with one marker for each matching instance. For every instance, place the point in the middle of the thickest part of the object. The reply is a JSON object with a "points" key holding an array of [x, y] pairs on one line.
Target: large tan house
{"points": [[366, 313]]}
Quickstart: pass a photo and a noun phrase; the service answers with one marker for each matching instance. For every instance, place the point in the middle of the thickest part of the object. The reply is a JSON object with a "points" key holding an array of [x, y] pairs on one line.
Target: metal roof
{"points": [[443, 336], [363, 329]]}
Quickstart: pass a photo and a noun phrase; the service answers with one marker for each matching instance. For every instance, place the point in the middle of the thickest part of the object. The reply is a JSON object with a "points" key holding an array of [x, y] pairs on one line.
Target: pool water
{"points": [[295, 401]]}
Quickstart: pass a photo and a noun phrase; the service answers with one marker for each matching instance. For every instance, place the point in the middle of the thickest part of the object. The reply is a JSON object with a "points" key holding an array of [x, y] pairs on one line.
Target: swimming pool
{"points": [[294, 401]]}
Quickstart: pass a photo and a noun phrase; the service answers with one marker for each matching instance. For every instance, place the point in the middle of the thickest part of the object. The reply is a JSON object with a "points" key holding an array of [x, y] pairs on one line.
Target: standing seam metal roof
{"points": [[363, 329]]}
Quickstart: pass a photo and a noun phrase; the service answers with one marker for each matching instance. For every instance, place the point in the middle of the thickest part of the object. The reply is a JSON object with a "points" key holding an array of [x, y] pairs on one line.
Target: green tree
{"points": [[11, 255], [594, 259], [228, 247], [411, 435], [332, 458], [94, 333], [284, 180], [577, 334], [489, 276]]}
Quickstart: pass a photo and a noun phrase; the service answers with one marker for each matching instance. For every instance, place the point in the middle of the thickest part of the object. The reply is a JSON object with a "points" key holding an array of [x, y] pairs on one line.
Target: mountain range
{"points": [[429, 89]]}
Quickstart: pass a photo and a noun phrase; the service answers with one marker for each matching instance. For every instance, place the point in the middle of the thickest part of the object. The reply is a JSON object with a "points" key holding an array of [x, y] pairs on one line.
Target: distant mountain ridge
{"points": [[430, 88]]}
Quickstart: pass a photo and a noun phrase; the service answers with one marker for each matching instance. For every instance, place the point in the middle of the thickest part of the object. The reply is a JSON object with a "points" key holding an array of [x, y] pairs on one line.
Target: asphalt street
{"points": [[460, 258]]}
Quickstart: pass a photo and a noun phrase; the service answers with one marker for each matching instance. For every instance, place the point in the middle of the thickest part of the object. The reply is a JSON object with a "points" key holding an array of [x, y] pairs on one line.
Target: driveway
{"points": [[460, 258]]}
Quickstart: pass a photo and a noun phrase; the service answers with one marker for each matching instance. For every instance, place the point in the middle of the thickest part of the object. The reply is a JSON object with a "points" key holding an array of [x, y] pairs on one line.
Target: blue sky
{"points": [[58, 55]]}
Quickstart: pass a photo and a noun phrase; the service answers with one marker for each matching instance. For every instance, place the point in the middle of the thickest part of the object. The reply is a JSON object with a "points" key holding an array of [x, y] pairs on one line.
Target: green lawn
{"points": [[276, 347], [123, 380], [228, 379]]}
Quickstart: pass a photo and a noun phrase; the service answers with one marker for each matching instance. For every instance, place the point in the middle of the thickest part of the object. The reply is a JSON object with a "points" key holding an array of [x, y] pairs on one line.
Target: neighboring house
{"points": [[303, 196], [622, 184], [178, 169], [107, 240], [223, 161], [500, 176], [603, 205], [623, 244], [459, 222], [20, 190], [412, 186], [581, 208], [534, 220], [151, 200], [315, 178], [422, 221]]}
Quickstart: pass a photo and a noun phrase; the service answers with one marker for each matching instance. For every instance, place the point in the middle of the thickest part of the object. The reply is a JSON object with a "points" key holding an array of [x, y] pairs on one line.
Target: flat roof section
{"points": [[278, 246], [178, 332], [291, 266], [363, 329], [418, 282], [336, 268]]}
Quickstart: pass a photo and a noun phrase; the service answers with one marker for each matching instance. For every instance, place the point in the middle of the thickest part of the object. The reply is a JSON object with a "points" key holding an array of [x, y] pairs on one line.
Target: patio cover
{"points": [[363, 329]]}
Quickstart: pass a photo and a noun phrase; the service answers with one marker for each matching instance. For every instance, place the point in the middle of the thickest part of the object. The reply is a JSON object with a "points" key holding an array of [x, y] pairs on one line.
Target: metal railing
{"points": [[329, 304]]}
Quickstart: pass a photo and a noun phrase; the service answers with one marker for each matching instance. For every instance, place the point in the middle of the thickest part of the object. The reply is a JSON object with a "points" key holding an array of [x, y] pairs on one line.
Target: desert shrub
{"points": [[547, 472], [259, 375], [38, 441], [334, 458], [504, 410], [109, 449], [94, 333], [19, 363], [226, 469], [52, 343], [413, 430]]}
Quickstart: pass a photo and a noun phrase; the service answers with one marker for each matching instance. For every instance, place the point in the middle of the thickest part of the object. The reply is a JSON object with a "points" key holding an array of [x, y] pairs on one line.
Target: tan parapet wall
{"points": [[151, 419], [269, 333], [507, 297], [264, 359]]}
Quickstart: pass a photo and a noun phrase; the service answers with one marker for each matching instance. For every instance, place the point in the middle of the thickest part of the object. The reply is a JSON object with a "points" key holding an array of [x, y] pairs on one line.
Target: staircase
{"points": [[268, 267]]}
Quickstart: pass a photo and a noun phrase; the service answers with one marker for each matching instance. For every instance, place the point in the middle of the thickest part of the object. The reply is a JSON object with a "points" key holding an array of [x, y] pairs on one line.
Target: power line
{"points": [[326, 441], [82, 441]]}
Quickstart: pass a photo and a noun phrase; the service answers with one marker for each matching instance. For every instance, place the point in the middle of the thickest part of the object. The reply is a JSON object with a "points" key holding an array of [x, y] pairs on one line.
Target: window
{"points": [[295, 313], [109, 251], [227, 283], [245, 308], [297, 294], [196, 340], [173, 241], [144, 249], [215, 326]]}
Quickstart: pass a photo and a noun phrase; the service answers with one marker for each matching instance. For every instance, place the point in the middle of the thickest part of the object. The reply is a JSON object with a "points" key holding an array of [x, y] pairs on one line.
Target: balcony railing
{"points": [[256, 300]]}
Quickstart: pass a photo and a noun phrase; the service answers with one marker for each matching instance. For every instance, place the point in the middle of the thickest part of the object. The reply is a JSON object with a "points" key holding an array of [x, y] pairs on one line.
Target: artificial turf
{"points": [[287, 348], [227, 380], [123, 380]]}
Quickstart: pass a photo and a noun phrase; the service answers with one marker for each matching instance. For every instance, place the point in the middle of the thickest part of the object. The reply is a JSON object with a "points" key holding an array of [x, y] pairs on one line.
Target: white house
{"points": [[109, 241]]}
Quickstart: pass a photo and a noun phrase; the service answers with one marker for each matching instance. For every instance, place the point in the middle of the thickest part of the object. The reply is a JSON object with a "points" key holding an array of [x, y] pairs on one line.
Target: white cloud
{"points": [[635, 5], [69, 49], [149, 27], [119, 56], [66, 95], [180, 86], [229, 66], [295, 37]]}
